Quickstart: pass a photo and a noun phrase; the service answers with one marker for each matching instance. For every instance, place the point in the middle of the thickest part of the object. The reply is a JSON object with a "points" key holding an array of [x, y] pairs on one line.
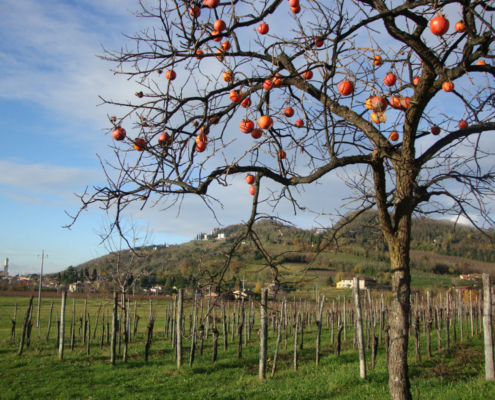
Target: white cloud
{"points": [[48, 54], [37, 180]]}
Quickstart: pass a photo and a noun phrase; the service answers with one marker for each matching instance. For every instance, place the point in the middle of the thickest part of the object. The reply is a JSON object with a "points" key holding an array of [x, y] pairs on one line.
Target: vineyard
{"points": [[219, 352]]}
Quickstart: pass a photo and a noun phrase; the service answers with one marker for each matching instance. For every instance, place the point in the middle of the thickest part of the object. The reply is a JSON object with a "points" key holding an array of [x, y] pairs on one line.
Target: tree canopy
{"points": [[386, 93]]}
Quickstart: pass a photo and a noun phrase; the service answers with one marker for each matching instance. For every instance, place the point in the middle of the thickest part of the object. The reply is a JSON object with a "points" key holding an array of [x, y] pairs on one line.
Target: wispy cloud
{"points": [[31, 182], [48, 51]]}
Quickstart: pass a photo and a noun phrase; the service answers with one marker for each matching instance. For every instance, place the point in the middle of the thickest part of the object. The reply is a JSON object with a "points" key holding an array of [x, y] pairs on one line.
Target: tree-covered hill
{"points": [[438, 247]]}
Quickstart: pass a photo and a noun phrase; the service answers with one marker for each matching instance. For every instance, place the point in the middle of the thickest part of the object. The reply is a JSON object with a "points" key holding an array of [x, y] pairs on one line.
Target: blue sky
{"points": [[51, 128], [52, 131]]}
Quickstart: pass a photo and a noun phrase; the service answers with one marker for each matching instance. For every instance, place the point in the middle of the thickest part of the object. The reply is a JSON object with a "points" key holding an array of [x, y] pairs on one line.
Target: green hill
{"points": [[306, 257]]}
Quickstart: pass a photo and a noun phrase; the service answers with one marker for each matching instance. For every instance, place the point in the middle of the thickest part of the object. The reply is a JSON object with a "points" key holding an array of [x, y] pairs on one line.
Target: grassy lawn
{"points": [[454, 374]]}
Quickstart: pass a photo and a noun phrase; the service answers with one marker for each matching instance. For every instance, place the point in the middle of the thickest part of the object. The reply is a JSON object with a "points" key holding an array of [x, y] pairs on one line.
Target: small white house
{"points": [[364, 283]]}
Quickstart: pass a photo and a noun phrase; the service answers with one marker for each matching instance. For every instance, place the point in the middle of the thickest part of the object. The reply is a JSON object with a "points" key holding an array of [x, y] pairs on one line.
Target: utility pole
{"points": [[243, 280], [39, 291]]}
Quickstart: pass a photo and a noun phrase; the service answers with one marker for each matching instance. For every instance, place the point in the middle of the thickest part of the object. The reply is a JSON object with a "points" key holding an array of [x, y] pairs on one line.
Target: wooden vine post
{"points": [[179, 327], [113, 342], [279, 337], [224, 327], [296, 326], [193, 333], [263, 333], [84, 324], [49, 323], [487, 324], [62, 327], [25, 322], [359, 329], [12, 331], [318, 334]]}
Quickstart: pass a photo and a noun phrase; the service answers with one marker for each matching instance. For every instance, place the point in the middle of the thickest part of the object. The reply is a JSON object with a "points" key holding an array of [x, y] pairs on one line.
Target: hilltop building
{"points": [[364, 283], [6, 268]]}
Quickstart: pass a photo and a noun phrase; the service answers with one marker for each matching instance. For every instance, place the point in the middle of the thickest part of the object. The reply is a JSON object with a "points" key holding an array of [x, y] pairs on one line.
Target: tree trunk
{"points": [[399, 315]]}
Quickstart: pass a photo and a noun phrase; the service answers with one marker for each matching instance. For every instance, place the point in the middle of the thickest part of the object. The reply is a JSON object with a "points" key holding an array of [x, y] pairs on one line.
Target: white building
{"points": [[364, 283], [6, 268]]}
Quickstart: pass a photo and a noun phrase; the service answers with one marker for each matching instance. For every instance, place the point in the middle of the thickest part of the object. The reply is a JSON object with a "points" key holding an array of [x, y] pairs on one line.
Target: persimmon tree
{"points": [[387, 93]]}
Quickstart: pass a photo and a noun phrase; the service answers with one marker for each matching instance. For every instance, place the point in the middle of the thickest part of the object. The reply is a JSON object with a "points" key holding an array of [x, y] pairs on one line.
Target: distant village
{"points": [[94, 283]]}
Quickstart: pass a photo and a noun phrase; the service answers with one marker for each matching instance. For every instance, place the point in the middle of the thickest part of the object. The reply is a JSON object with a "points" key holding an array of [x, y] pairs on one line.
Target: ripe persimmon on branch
{"points": [[396, 95]]}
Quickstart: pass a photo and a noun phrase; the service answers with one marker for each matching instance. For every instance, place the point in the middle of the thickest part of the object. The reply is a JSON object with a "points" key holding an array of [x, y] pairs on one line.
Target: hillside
{"points": [[306, 257]]}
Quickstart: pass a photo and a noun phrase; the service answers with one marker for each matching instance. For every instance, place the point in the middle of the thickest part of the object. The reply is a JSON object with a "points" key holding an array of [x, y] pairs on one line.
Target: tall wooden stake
{"points": [[49, 323], [487, 324], [279, 337], [113, 343], [62, 327], [179, 327], [40, 286], [263, 333], [318, 334], [359, 328], [25, 322]]}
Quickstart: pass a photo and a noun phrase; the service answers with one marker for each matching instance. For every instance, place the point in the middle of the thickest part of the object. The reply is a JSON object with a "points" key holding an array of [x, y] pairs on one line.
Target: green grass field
{"points": [[38, 374]]}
